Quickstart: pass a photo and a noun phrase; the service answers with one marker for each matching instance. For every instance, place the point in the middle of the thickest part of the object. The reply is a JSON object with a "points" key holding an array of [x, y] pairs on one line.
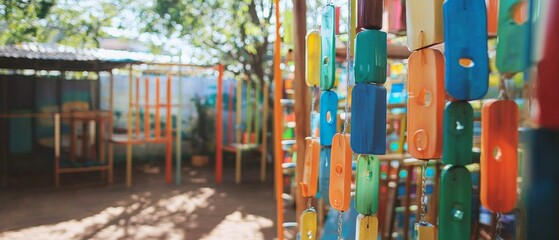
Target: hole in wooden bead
{"points": [[328, 117], [457, 214], [519, 13], [425, 98], [466, 62], [339, 169], [497, 154], [325, 60], [459, 126]]}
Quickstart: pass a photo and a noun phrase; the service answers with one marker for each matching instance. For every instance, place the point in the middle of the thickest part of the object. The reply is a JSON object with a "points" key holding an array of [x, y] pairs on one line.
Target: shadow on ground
{"points": [[198, 209]]}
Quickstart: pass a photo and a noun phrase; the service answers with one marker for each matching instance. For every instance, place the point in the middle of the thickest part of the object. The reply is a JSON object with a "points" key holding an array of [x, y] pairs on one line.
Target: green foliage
{"points": [[236, 33], [68, 22]]}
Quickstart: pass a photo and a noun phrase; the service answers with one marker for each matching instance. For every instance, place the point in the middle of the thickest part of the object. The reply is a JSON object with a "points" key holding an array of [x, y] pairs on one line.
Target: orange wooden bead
{"points": [[492, 16], [310, 168], [340, 172], [426, 103], [499, 160]]}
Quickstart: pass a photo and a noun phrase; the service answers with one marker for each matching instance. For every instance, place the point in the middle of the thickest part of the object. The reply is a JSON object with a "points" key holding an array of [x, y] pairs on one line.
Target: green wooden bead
{"points": [[370, 57], [328, 51], [455, 203], [458, 133], [367, 181], [512, 47]]}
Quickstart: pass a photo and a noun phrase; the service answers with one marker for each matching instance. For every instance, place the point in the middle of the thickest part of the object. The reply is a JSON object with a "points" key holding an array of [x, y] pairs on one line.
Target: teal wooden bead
{"points": [[328, 50], [512, 47], [458, 133], [455, 203], [370, 57]]}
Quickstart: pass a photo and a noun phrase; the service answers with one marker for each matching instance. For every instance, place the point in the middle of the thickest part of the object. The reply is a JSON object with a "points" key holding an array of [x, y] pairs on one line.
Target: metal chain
{"points": [[503, 89], [309, 203], [423, 192], [348, 58], [498, 227], [340, 226], [316, 11], [313, 89]]}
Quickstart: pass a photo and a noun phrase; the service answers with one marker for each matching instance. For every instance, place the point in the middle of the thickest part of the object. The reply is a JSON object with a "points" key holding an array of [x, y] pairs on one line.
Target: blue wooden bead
{"points": [[467, 62], [368, 120], [324, 174], [328, 117]]}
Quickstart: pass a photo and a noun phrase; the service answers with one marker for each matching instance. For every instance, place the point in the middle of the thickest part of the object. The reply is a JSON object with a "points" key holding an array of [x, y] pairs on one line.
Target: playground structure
{"points": [[137, 135], [246, 139]]}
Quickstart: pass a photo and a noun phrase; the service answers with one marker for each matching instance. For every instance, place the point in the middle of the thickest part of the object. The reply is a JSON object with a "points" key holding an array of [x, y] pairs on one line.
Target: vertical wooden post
{"points": [[219, 126], [265, 108], [238, 131], [111, 126], [157, 107], [137, 107], [147, 129], [302, 93], [178, 171], [168, 136], [57, 150], [230, 115], [129, 132], [278, 124]]}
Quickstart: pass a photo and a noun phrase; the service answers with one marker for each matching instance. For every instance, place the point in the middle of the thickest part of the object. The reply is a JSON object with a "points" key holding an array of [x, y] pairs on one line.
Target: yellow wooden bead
{"points": [[366, 227], [308, 221]]}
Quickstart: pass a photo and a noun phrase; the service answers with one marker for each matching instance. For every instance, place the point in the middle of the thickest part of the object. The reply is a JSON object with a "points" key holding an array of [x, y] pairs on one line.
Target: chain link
{"points": [[309, 203], [498, 227], [423, 192], [314, 90], [348, 59], [503, 88], [340, 226]]}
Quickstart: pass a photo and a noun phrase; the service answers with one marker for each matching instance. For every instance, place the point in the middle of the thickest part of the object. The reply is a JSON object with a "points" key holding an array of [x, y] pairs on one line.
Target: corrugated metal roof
{"points": [[53, 56]]}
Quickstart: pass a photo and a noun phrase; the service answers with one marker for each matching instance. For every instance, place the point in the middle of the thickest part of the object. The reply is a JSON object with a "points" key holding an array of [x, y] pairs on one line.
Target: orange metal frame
{"points": [[167, 139]]}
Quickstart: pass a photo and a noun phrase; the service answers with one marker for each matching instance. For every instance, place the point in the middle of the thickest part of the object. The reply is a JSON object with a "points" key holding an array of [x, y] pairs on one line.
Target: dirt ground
{"points": [[198, 209]]}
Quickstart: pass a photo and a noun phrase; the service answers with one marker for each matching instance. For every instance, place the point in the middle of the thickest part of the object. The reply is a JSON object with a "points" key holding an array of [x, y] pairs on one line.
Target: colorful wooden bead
{"points": [[458, 133], [310, 168], [308, 221], [328, 50], [366, 227], [367, 184], [313, 59], [324, 174], [370, 57], [499, 155], [455, 203], [369, 14], [426, 101], [512, 50], [547, 86], [368, 121], [467, 62], [424, 19], [424, 231], [328, 116], [340, 172]]}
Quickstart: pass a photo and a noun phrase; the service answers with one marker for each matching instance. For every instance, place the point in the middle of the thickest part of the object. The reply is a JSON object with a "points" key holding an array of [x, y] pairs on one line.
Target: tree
{"points": [[68, 22], [236, 33]]}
